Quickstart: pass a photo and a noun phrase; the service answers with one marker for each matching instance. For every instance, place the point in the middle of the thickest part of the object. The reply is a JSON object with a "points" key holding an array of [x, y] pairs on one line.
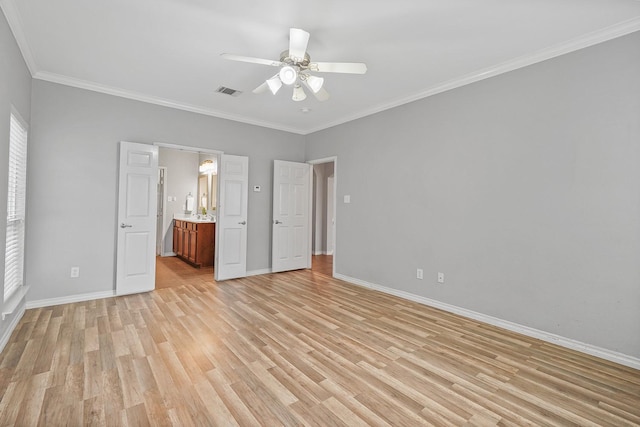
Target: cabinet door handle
{"points": [[277, 222], [242, 222], [123, 225]]}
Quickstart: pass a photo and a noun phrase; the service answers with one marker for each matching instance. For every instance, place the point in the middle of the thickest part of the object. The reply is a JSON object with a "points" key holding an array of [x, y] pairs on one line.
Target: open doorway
{"points": [[323, 220], [187, 186]]}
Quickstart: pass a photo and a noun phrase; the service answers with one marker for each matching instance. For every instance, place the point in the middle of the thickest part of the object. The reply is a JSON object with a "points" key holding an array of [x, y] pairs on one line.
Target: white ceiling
{"points": [[168, 51]]}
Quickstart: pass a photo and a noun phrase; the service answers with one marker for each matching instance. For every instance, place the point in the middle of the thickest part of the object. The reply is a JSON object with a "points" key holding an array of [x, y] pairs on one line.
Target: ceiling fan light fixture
{"points": [[315, 83], [298, 93], [288, 75], [274, 84]]}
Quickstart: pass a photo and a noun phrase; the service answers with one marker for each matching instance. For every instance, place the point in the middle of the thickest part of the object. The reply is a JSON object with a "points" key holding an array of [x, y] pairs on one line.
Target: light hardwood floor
{"points": [[322, 264], [173, 272], [297, 348]]}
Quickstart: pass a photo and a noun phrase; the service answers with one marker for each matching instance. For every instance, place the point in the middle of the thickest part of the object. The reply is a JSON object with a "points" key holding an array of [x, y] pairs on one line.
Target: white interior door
{"points": [[291, 242], [231, 227], [137, 197]]}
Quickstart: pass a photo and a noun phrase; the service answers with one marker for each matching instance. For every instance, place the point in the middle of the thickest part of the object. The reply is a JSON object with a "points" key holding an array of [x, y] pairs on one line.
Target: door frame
{"points": [[190, 149], [334, 160], [164, 212], [198, 150], [331, 223]]}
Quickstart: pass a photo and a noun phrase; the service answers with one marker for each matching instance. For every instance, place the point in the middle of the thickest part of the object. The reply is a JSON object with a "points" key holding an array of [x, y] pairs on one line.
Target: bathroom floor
{"points": [[172, 272]]}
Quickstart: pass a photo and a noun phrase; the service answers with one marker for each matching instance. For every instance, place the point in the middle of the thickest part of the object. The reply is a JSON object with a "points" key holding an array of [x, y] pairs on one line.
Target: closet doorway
{"points": [[323, 229]]}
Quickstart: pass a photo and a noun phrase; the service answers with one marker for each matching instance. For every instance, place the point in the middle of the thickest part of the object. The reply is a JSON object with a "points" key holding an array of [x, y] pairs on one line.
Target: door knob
{"points": [[242, 222], [123, 225], [277, 222]]}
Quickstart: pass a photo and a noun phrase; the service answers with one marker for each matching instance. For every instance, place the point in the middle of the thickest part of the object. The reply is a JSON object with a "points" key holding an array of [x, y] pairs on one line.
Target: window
{"points": [[16, 197]]}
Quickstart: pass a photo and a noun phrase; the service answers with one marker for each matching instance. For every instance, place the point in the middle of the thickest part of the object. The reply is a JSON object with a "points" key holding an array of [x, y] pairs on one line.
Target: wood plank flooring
{"points": [[322, 264], [297, 348], [172, 272]]}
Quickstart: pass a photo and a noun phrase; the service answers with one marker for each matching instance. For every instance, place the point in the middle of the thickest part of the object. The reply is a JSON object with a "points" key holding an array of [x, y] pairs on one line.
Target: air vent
{"points": [[228, 91]]}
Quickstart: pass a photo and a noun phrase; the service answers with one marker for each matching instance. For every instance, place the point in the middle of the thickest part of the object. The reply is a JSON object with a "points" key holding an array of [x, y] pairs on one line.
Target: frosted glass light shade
{"points": [[288, 75], [298, 93], [315, 83], [274, 84]]}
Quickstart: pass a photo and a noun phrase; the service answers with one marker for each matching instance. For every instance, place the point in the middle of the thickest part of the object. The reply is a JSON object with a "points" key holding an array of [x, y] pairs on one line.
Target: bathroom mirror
{"points": [[207, 181], [203, 192]]}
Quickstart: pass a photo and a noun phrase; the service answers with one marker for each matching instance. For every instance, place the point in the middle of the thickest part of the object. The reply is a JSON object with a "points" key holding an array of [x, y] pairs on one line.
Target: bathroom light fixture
{"points": [[208, 166]]}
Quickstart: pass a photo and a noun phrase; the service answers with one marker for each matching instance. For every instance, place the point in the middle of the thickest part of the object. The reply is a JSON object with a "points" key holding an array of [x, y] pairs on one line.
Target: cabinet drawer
{"points": [[191, 226], [179, 224]]}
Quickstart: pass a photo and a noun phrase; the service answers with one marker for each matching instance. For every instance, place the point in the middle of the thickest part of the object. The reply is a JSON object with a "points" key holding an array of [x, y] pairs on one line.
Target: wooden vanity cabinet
{"points": [[194, 242]]}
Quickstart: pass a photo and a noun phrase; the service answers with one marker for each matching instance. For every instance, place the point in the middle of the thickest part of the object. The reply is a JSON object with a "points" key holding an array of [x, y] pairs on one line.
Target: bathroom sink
{"points": [[194, 218]]}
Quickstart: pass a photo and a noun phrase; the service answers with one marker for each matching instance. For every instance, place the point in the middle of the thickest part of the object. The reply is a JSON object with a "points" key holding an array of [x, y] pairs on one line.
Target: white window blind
{"points": [[16, 201]]}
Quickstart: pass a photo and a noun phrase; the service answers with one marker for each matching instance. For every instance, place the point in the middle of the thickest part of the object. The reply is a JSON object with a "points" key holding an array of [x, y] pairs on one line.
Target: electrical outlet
{"points": [[75, 272], [440, 277], [419, 274]]}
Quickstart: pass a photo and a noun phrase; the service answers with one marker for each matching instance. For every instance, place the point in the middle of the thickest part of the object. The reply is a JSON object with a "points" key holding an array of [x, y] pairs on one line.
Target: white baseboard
{"points": [[12, 326], [69, 299], [602, 353]]}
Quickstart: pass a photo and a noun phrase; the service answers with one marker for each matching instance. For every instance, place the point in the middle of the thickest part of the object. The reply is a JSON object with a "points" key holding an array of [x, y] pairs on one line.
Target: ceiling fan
{"points": [[296, 67]]}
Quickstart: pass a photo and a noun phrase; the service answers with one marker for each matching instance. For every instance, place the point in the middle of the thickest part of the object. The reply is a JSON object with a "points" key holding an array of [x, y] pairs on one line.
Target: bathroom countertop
{"points": [[193, 218]]}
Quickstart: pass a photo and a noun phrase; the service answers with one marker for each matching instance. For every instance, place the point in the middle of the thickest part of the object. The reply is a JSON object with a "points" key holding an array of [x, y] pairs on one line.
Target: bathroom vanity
{"points": [[194, 241]]}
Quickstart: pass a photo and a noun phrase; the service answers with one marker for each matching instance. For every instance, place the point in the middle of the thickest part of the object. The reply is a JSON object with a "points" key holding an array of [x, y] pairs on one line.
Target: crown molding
{"points": [[15, 23], [150, 99], [590, 39]]}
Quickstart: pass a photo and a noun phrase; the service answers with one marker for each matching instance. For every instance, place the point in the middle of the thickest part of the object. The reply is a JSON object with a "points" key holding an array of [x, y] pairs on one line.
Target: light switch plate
{"points": [[256, 188], [347, 199]]}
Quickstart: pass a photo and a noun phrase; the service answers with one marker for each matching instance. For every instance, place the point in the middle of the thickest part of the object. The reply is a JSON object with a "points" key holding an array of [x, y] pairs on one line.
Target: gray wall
{"points": [[73, 181], [15, 90], [524, 189]]}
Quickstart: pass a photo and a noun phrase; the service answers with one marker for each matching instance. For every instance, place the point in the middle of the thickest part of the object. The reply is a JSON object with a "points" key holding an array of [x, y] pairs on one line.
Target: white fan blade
{"points": [[262, 88], [321, 95], [298, 40], [250, 59], [339, 67]]}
